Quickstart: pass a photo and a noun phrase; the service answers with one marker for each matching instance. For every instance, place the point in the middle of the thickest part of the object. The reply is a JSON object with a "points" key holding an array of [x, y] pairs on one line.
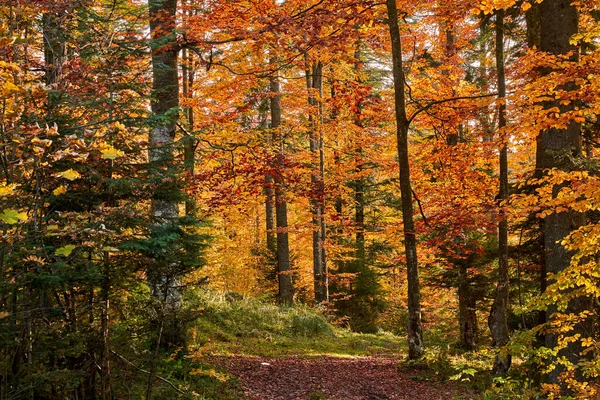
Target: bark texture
{"points": [[189, 156], [415, 334], [164, 104], [165, 94], [558, 148], [314, 84], [284, 269], [467, 308], [497, 320], [55, 52]]}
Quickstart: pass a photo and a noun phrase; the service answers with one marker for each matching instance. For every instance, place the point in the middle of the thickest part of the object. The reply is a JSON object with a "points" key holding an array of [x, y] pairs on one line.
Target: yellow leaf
{"points": [[59, 190], [525, 6], [110, 153], [5, 190], [70, 174], [119, 126]]}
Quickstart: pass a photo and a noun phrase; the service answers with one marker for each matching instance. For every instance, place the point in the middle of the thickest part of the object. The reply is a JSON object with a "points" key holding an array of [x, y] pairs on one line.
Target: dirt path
{"points": [[335, 379]]}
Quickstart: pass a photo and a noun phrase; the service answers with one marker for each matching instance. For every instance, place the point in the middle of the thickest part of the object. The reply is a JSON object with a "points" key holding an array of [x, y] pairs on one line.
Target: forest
{"points": [[299, 199]]}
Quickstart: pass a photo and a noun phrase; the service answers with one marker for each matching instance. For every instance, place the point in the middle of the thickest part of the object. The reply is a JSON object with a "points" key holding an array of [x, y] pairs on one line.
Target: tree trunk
{"points": [[165, 95], [467, 309], [532, 20], [415, 334], [105, 375], [269, 192], [497, 320], [54, 55], [187, 72], [165, 102], [314, 84], [270, 220], [557, 148], [286, 287]]}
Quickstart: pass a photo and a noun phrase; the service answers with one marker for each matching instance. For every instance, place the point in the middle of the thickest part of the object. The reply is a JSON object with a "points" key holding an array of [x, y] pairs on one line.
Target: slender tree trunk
{"points": [[497, 320], [467, 310], [284, 269], [325, 272], [557, 148], [487, 121], [314, 83], [359, 212], [415, 334], [105, 389], [269, 190], [54, 55], [270, 215], [187, 72], [338, 202]]}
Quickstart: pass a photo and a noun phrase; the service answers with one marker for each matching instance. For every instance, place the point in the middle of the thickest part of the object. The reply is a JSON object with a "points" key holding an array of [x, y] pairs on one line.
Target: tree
{"points": [[314, 85], [165, 103], [284, 269], [498, 315], [415, 334], [558, 147]]}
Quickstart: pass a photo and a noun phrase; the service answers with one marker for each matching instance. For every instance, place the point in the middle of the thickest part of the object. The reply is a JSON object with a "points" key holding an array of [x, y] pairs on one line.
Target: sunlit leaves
{"points": [[70, 174], [59, 190], [6, 190], [109, 152]]}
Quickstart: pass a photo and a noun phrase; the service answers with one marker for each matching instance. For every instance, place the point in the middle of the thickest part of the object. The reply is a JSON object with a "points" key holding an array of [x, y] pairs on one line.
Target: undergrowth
{"points": [[230, 324]]}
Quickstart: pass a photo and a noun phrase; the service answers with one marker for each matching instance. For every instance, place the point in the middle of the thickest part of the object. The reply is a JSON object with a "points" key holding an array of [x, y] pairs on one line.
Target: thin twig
{"points": [[519, 277]]}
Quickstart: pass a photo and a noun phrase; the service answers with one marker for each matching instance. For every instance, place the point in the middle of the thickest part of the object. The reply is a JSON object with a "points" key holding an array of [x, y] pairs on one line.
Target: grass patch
{"points": [[230, 325]]}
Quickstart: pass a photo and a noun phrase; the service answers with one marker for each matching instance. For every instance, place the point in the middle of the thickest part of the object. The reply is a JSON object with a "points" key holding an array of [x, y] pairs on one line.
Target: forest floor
{"points": [[247, 349], [335, 378]]}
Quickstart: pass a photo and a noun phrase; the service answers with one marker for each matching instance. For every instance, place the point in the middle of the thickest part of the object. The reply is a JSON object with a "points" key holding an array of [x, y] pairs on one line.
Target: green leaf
{"points": [[65, 251], [11, 216]]}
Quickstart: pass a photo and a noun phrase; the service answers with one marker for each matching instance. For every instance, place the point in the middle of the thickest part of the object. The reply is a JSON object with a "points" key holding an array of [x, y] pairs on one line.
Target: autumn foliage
{"points": [[274, 173]]}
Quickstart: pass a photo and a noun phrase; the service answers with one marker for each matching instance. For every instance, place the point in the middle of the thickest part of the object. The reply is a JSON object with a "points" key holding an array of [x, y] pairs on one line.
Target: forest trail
{"points": [[334, 378]]}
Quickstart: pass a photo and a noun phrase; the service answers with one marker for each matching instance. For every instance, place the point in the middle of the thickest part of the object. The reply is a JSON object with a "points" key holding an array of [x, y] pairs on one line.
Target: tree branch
{"points": [[436, 102], [420, 207]]}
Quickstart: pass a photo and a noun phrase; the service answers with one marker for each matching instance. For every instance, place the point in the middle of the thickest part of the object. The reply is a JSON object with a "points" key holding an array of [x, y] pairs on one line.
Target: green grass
{"points": [[232, 325], [242, 326]]}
